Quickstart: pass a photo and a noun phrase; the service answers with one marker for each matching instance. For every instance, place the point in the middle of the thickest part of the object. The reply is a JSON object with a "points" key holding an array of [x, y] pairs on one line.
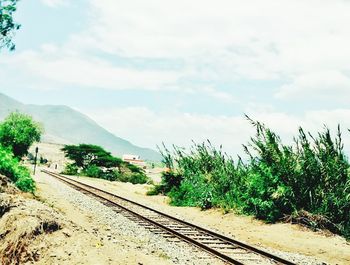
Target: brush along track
{"points": [[226, 249]]}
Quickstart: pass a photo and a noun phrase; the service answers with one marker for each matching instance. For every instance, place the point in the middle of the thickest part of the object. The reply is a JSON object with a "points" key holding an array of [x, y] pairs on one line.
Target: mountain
{"points": [[67, 126]]}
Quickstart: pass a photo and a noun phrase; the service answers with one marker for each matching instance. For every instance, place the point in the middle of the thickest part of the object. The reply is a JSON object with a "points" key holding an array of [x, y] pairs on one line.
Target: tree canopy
{"points": [[18, 132], [85, 155], [93, 161], [8, 26]]}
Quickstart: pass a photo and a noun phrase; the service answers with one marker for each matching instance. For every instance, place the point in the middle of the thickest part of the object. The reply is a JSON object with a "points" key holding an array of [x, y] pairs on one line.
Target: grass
{"points": [[308, 180]]}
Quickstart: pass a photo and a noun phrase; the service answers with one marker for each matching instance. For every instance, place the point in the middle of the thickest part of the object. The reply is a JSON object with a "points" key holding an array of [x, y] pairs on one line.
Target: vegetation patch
{"points": [[307, 182], [20, 175], [93, 161], [17, 133]]}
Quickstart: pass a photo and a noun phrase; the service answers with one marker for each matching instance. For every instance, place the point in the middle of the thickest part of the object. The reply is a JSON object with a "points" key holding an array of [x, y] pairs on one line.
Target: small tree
{"points": [[18, 132], [85, 155], [7, 25], [94, 161]]}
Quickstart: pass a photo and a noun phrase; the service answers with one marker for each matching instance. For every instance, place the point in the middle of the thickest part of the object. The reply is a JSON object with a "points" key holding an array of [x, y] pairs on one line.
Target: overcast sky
{"points": [[161, 70]]}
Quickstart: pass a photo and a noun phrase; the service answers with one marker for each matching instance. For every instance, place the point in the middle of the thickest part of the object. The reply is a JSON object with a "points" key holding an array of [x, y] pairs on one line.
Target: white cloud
{"points": [[303, 44], [67, 68], [220, 41], [208, 91], [227, 40], [251, 28], [220, 95], [56, 67], [326, 84]]}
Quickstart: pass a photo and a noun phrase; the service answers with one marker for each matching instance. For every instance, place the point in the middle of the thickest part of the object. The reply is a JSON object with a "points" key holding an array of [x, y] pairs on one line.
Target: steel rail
{"points": [[212, 251]]}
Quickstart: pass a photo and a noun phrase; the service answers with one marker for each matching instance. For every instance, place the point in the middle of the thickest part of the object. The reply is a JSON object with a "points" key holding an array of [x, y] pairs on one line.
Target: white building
{"points": [[135, 160]]}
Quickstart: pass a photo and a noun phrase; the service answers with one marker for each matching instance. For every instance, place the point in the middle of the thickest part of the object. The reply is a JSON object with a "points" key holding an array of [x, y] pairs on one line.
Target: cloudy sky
{"points": [[155, 70]]}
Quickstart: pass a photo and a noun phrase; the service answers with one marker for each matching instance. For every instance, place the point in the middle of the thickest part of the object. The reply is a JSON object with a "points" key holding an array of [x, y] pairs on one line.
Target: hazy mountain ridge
{"points": [[66, 125]]}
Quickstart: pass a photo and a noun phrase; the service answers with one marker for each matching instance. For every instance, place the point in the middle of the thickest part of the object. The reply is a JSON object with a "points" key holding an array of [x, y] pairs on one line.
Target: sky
{"points": [[174, 71]]}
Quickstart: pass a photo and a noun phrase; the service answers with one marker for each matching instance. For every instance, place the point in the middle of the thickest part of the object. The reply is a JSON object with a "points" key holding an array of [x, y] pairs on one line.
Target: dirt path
{"points": [[285, 237]]}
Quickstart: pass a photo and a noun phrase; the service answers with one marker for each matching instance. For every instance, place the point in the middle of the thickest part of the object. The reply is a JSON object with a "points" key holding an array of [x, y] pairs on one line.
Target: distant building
{"points": [[135, 160]]}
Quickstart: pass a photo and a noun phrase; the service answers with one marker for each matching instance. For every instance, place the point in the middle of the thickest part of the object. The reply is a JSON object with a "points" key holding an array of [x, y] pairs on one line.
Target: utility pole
{"points": [[36, 157]]}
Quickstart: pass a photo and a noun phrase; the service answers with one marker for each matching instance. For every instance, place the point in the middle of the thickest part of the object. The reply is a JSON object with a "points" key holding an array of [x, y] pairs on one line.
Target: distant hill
{"points": [[68, 126]]}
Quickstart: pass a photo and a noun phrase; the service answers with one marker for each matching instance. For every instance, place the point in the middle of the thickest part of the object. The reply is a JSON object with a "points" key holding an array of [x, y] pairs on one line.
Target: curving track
{"points": [[226, 249]]}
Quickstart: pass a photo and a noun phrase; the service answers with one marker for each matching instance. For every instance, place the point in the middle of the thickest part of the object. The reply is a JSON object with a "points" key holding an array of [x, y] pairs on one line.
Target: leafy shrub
{"points": [[71, 169], [94, 161], [138, 178], [18, 132], [170, 180], [134, 178], [310, 178], [111, 175], [134, 169], [10, 167], [93, 171], [25, 183]]}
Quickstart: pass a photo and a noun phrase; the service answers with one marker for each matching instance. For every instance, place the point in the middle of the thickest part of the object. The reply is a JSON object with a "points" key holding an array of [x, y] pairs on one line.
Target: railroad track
{"points": [[226, 249]]}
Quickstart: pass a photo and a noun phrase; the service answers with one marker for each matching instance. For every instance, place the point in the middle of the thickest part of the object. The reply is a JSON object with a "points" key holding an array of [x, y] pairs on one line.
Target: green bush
{"points": [[71, 169], [277, 180], [94, 161], [93, 171], [170, 180], [10, 167], [138, 178], [134, 178], [25, 183], [18, 132], [134, 169], [110, 174]]}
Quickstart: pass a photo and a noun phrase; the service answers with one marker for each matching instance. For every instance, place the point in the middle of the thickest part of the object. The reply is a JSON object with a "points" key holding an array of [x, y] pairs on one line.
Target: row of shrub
{"points": [[307, 181], [93, 161]]}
